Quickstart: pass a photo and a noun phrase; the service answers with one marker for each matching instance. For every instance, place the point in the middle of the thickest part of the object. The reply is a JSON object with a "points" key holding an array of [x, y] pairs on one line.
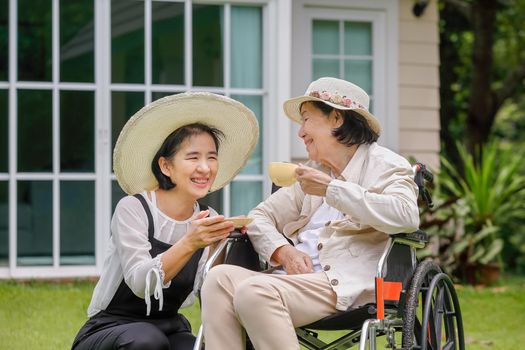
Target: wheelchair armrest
{"points": [[417, 239], [237, 250], [236, 235]]}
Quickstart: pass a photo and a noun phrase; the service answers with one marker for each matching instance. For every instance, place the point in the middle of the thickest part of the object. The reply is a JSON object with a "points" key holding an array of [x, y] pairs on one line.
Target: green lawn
{"points": [[42, 315]]}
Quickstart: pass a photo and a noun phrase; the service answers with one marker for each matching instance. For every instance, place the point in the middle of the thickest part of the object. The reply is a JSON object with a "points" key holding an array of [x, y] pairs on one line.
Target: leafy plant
{"points": [[475, 205]]}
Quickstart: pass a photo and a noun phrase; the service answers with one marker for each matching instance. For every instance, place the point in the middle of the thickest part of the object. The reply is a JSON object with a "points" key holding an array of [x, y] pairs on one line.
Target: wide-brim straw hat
{"points": [[146, 130], [340, 94]]}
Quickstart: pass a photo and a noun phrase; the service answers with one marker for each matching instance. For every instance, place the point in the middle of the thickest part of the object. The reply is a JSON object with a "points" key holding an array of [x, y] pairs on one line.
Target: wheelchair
{"points": [[416, 305]]}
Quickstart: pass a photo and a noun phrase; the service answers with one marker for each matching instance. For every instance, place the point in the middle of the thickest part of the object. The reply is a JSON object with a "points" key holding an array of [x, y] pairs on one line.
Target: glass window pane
{"points": [[77, 223], [116, 195], [4, 39], [77, 130], [214, 200], [35, 223], [77, 40], [254, 164], [123, 106], [325, 68], [35, 149], [127, 41], [325, 37], [207, 45], [246, 47], [167, 42], [34, 40], [4, 223], [358, 38], [360, 73], [4, 129], [155, 95], [245, 195]]}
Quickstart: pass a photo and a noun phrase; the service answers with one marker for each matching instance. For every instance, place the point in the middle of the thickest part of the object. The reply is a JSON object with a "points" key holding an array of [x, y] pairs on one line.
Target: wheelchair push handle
{"points": [[427, 174], [422, 174]]}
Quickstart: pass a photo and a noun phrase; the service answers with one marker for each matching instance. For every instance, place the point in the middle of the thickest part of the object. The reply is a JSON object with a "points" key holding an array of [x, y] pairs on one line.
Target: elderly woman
{"points": [[324, 235]]}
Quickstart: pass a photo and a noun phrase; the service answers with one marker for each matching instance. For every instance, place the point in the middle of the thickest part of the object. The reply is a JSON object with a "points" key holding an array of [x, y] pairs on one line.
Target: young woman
{"points": [[167, 157]]}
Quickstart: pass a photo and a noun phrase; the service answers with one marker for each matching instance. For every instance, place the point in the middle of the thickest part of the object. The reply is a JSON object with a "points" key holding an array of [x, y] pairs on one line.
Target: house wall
{"points": [[419, 83]]}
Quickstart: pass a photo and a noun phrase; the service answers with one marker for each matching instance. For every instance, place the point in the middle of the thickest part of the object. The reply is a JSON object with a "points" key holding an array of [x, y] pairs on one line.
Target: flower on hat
{"points": [[337, 93], [325, 95], [338, 99], [347, 102], [335, 98]]}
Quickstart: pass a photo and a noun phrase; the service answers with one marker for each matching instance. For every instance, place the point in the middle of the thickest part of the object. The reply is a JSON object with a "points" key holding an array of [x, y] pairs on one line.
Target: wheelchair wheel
{"points": [[432, 318]]}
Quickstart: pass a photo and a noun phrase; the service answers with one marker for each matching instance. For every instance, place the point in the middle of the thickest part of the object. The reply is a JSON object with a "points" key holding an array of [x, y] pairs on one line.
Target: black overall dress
{"points": [[127, 308]]}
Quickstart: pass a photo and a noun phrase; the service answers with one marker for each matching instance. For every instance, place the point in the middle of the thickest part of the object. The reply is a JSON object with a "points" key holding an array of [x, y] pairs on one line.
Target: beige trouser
{"points": [[267, 306]]}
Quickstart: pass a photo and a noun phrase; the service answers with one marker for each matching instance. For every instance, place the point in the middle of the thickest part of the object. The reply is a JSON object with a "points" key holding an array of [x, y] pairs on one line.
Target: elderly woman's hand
{"points": [[312, 181], [293, 260]]}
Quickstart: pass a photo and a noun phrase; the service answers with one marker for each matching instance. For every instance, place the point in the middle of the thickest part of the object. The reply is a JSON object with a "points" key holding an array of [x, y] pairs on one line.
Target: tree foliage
{"points": [[482, 67]]}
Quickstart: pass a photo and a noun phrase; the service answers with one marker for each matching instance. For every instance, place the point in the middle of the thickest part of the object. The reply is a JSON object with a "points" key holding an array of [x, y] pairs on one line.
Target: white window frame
{"points": [[275, 142], [55, 86], [383, 16]]}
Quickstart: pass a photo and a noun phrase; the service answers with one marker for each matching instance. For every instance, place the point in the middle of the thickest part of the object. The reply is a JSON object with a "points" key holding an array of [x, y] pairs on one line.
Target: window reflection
{"points": [[155, 95], [77, 40], [35, 223], [116, 195], [77, 131], [246, 47], [349, 58], [360, 73], [127, 41], [4, 136], [4, 224], [34, 131], [207, 45], [167, 42], [325, 68], [325, 38], [34, 40], [245, 196], [123, 106], [358, 38], [77, 223], [4, 37], [254, 164]]}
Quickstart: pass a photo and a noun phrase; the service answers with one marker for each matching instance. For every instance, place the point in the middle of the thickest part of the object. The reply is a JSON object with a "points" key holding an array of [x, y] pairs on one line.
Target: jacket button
{"points": [[334, 282], [328, 223], [320, 246], [326, 267]]}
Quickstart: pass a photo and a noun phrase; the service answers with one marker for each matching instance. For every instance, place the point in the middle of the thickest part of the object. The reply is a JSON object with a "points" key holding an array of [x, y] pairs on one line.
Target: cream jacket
{"points": [[378, 196]]}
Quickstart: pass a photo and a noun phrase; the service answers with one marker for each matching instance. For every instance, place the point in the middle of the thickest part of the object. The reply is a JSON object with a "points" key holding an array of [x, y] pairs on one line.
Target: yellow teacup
{"points": [[282, 174]]}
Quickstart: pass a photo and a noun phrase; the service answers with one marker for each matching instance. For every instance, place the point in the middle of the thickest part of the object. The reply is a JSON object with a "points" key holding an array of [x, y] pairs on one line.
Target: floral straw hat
{"points": [[144, 133], [337, 93]]}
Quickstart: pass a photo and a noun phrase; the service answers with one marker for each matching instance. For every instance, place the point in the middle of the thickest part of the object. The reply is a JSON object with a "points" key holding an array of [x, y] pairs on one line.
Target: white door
{"points": [[351, 40]]}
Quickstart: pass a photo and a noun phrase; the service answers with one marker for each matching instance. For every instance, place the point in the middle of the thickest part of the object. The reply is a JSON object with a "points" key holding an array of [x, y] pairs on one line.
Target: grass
{"points": [[41, 315]]}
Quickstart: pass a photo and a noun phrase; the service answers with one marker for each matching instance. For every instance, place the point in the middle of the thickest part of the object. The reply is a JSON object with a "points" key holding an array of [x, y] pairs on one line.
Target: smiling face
{"points": [[193, 167], [316, 132]]}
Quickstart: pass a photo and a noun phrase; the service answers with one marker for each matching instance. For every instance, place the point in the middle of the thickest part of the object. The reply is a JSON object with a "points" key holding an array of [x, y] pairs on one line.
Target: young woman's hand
{"points": [[205, 230]]}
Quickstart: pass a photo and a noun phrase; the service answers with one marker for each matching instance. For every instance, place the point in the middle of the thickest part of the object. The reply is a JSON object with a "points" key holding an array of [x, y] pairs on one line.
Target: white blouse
{"points": [[127, 255], [308, 236]]}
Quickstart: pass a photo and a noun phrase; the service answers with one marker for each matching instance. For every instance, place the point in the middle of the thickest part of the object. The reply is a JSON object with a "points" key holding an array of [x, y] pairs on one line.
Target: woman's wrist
{"points": [[187, 245]]}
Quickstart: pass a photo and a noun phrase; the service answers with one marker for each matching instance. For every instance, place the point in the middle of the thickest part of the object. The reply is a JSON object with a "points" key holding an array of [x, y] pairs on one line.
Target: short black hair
{"points": [[355, 129], [172, 143]]}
